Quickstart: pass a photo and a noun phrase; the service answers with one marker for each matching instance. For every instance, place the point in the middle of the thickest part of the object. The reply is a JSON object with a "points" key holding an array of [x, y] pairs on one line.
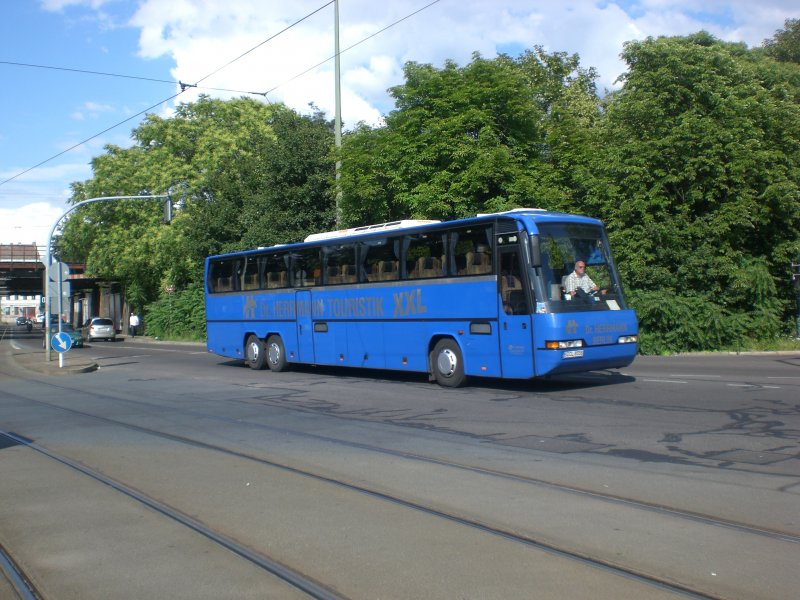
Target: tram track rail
{"points": [[15, 575], [290, 576], [692, 516], [452, 516], [308, 585]]}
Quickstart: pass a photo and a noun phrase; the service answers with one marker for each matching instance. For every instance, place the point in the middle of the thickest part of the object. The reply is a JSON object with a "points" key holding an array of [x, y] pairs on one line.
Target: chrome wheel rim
{"points": [[252, 352], [447, 362], [274, 354]]}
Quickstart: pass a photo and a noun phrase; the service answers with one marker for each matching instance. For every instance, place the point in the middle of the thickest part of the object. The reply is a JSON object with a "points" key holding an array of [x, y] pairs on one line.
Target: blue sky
{"points": [[49, 110]]}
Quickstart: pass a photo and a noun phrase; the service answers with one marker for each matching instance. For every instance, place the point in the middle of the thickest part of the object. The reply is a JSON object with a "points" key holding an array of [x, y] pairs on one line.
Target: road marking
{"points": [[664, 381], [682, 375], [754, 385]]}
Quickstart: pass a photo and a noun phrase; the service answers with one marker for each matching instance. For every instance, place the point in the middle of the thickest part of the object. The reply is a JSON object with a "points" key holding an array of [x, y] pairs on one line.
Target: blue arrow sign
{"points": [[61, 342]]}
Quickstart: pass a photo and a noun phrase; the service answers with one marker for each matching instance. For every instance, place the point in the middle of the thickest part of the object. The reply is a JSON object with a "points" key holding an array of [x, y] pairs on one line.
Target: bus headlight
{"points": [[563, 344], [627, 339]]}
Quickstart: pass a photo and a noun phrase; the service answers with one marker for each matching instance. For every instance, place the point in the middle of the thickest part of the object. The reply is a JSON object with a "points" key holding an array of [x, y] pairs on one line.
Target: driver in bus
{"points": [[579, 280]]}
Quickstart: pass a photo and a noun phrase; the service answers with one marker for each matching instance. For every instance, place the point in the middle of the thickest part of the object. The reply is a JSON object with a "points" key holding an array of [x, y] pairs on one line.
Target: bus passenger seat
{"points": [[348, 274], [509, 284], [276, 280], [387, 270], [478, 262], [333, 275], [428, 266], [372, 272]]}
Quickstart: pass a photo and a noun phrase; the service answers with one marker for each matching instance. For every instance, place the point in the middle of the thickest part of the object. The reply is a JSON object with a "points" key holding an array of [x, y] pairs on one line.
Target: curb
{"points": [[34, 361]]}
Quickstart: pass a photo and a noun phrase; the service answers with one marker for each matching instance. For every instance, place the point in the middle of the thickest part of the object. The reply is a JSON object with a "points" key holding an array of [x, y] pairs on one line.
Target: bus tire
{"points": [[276, 354], [255, 353], [448, 364]]}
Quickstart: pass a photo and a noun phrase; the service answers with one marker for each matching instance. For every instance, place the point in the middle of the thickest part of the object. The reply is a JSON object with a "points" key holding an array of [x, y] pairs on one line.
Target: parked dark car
{"points": [[99, 328], [21, 321], [74, 334]]}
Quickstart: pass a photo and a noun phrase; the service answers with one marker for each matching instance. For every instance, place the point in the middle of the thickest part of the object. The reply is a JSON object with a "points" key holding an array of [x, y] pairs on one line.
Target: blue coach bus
{"points": [[479, 297]]}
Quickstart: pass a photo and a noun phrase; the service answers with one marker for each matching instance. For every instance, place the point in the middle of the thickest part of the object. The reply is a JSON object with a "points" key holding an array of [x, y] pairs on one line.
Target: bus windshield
{"points": [[561, 246]]}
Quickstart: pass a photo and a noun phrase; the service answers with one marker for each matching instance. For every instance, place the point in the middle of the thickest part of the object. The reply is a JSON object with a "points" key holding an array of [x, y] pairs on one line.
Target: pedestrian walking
{"points": [[133, 324]]}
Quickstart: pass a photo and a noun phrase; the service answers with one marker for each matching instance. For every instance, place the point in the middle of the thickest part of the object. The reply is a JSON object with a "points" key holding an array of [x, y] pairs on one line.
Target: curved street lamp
{"points": [[167, 217]]}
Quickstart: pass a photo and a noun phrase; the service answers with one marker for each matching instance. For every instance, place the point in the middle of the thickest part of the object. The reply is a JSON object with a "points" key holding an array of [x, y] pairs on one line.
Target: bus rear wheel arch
{"points": [[276, 354], [255, 353], [447, 363]]}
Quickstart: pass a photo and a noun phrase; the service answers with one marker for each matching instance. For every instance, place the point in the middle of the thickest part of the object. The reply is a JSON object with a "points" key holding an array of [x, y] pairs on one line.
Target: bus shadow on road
{"points": [[556, 383]]}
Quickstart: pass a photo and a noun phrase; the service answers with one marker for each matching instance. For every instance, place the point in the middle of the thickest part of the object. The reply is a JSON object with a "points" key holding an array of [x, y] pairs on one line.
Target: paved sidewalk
{"points": [[75, 361]]}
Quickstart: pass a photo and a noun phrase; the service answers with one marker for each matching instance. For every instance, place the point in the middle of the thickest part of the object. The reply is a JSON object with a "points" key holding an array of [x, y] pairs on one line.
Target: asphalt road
{"points": [[168, 472]]}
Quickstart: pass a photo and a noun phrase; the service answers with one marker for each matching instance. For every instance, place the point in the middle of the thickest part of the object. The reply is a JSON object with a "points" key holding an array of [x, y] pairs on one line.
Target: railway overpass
{"points": [[21, 270], [22, 275]]}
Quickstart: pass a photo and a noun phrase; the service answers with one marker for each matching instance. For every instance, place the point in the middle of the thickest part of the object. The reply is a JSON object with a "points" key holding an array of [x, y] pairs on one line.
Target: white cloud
{"points": [[28, 224], [201, 36]]}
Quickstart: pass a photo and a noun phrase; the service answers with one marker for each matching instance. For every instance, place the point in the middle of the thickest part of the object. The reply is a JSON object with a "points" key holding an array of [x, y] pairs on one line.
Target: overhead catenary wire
{"points": [[185, 86], [358, 43], [89, 139]]}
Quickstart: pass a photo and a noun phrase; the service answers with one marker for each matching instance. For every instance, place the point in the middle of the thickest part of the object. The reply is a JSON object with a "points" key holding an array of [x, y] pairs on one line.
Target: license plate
{"points": [[572, 354]]}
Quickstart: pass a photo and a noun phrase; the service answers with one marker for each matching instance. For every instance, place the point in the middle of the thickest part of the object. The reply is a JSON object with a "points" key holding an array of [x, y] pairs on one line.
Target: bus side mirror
{"points": [[536, 254]]}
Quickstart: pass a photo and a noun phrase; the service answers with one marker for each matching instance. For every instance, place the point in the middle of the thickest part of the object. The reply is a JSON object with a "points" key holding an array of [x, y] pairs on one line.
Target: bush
{"points": [[670, 323], [180, 315]]}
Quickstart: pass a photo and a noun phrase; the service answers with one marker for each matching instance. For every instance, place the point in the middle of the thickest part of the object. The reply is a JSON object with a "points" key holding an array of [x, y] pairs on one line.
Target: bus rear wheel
{"points": [[276, 354], [255, 354], [448, 364]]}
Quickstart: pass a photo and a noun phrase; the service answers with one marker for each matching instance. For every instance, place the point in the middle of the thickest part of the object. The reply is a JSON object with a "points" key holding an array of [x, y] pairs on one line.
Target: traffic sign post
{"points": [[61, 343]]}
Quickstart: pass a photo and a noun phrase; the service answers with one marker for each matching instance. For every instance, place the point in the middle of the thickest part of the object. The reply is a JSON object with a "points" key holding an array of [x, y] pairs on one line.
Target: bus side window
{"points": [[222, 276], [471, 250], [306, 268], [251, 279], [424, 254], [379, 259]]}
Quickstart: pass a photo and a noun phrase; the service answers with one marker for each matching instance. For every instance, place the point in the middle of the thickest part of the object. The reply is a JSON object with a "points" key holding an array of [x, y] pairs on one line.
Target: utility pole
{"points": [[338, 118], [796, 282], [167, 217]]}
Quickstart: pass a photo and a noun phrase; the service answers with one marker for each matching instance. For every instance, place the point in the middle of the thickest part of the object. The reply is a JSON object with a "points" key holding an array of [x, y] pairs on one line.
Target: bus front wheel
{"points": [[276, 354], [255, 354], [448, 364]]}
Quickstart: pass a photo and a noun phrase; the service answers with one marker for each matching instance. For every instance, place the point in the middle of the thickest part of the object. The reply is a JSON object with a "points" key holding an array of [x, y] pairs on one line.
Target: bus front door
{"points": [[305, 335], [514, 321]]}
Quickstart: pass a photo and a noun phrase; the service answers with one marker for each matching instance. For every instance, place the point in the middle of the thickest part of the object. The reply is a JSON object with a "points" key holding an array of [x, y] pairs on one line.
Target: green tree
{"points": [[702, 147], [242, 172], [291, 193], [463, 140], [784, 46]]}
